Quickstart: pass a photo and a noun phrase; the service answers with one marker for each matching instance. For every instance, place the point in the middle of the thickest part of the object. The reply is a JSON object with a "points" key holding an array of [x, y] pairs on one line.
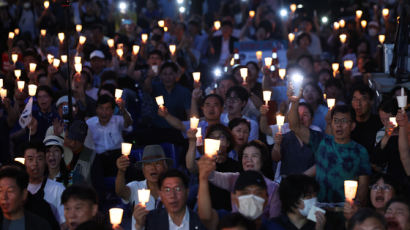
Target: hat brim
{"points": [[169, 161]]}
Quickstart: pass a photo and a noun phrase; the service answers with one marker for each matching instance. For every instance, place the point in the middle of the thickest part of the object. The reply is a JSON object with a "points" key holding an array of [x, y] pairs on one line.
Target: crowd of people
{"points": [[240, 115]]}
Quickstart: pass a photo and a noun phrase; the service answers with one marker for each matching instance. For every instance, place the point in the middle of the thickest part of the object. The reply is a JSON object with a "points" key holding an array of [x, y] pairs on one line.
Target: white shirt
{"points": [[134, 186], [184, 225], [224, 52], [52, 194], [253, 133], [108, 137]]}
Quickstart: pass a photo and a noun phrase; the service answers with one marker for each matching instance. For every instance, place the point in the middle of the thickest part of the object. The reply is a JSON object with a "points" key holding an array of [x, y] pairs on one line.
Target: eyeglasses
{"points": [[168, 191], [233, 99], [341, 121], [377, 187]]}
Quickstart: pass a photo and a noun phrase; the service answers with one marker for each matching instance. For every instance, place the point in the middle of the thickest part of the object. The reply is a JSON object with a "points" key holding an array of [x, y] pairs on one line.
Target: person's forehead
{"points": [[399, 206], [341, 115], [172, 182], [77, 201], [8, 182], [251, 150], [253, 189], [212, 100], [33, 152], [359, 94]]}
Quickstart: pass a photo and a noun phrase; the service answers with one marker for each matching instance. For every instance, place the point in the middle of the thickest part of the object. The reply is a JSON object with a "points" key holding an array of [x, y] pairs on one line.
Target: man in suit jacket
{"points": [[176, 215], [222, 45]]}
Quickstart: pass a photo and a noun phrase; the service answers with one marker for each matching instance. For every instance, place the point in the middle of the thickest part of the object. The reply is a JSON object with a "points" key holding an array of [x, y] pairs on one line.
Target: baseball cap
{"points": [[64, 99], [248, 178], [97, 54]]}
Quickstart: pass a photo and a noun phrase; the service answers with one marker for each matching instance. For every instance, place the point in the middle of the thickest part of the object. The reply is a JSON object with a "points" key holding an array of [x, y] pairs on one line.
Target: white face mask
{"points": [[251, 206], [308, 203], [372, 32]]}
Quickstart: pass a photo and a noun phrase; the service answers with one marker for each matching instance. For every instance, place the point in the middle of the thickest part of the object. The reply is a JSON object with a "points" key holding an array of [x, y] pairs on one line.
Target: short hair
{"points": [[225, 131], [46, 89], [156, 52], [389, 105], [363, 90], [302, 35], [310, 109], [169, 64], [398, 199], [220, 99], [235, 220], [80, 192], [343, 109], [237, 121], [20, 176], [295, 187], [318, 90], [266, 168], [388, 179], [364, 214], [254, 65], [108, 87], [173, 173], [104, 99], [227, 78], [37, 145], [240, 92]]}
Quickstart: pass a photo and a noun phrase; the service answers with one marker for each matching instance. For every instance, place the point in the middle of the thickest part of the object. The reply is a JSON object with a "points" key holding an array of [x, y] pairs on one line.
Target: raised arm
{"points": [[173, 121], [294, 123], [263, 121], [121, 189], [191, 152], [125, 114], [362, 190], [196, 95], [402, 121]]}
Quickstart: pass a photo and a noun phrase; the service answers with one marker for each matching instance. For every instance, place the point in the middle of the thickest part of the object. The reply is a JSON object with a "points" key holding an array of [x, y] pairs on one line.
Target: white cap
{"points": [[53, 140], [63, 99], [98, 54]]}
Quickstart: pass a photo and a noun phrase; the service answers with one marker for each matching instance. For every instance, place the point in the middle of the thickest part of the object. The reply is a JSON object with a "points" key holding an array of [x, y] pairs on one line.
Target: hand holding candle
{"points": [[211, 147], [20, 85], [135, 50], [61, 37], [43, 32], [194, 122], [259, 55], [78, 28], [116, 216], [393, 121], [402, 100], [11, 35], [126, 148], [118, 94], [244, 74], [280, 120], [382, 38], [196, 76], [268, 62], [32, 89], [14, 58], [331, 103], [3, 93], [110, 43], [350, 190], [217, 25], [32, 67], [56, 63], [144, 38], [64, 58], [251, 13], [78, 67], [82, 40], [172, 49], [160, 101], [143, 196], [348, 64], [291, 37], [17, 73], [343, 38], [282, 73], [266, 96]]}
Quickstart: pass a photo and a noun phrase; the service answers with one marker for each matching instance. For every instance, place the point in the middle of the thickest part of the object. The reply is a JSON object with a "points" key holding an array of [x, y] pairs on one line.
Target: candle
{"points": [[160, 100], [172, 49], [199, 137], [116, 216], [46, 4], [251, 13], [20, 85], [126, 148], [143, 196], [50, 58], [363, 23], [20, 159], [11, 35], [118, 93], [402, 100], [211, 147], [291, 37], [244, 73], [56, 63], [110, 43], [217, 25], [14, 58], [331, 103], [343, 38], [385, 12], [280, 120], [165, 29], [268, 61], [64, 58], [342, 23], [348, 64], [1, 82], [78, 28], [293, 8], [78, 67], [16, 31], [336, 25], [350, 190], [382, 38], [3, 93], [282, 73], [61, 37], [359, 14], [161, 23], [32, 67], [335, 67], [120, 52], [77, 60], [17, 73], [196, 76], [144, 38], [32, 89], [194, 122], [393, 121], [259, 55], [43, 32], [135, 49], [266, 96], [324, 96], [82, 40]]}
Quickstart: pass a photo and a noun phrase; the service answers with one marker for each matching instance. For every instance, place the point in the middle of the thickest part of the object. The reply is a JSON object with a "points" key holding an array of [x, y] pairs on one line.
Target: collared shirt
{"points": [[108, 137], [184, 225]]}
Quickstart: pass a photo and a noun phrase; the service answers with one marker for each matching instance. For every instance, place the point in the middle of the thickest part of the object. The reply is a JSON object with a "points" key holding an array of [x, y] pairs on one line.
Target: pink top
{"points": [[226, 180]]}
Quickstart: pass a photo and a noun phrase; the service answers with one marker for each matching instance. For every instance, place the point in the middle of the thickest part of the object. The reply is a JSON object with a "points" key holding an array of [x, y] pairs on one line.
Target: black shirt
{"points": [[284, 221], [365, 133]]}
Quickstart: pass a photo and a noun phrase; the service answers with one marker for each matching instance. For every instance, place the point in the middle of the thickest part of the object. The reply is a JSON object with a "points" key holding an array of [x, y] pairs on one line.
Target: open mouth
{"points": [[379, 198], [393, 225]]}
